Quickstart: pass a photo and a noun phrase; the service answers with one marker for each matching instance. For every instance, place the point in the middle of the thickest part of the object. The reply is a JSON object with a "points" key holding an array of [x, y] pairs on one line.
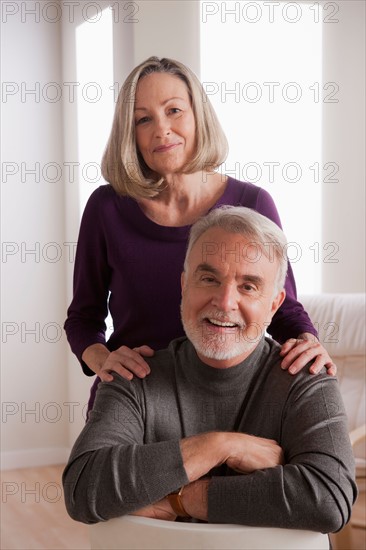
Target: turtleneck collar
{"points": [[221, 381]]}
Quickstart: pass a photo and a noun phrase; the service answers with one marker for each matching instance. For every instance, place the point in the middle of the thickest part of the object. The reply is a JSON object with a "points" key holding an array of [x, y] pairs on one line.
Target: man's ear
{"points": [[278, 301], [182, 280]]}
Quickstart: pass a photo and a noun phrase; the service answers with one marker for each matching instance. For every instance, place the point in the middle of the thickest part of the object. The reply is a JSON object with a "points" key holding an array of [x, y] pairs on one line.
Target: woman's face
{"points": [[165, 124]]}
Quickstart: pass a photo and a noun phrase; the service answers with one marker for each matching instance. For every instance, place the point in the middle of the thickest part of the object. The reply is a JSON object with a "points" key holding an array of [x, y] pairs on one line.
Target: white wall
{"points": [[82, 129], [41, 373], [168, 29], [33, 371], [344, 144]]}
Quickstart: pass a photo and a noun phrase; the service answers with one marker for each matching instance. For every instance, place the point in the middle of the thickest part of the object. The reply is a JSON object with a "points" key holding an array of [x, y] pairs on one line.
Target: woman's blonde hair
{"points": [[122, 164]]}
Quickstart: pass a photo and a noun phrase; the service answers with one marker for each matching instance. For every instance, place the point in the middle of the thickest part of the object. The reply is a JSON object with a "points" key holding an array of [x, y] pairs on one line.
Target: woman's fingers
{"points": [[288, 346], [319, 363], [126, 362], [147, 351], [297, 353]]}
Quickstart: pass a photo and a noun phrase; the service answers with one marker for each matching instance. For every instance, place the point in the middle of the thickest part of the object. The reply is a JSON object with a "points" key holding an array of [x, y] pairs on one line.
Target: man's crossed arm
{"points": [[240, 452], [114, 469]]}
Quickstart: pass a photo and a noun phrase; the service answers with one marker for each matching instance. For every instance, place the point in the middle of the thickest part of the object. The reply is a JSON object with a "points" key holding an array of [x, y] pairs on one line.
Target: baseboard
{"points": [[31, 458]]}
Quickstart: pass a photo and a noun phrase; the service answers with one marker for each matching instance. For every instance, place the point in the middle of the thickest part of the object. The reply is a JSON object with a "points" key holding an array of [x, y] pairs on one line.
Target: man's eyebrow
{"points": [[256, 279], [163, 103]]}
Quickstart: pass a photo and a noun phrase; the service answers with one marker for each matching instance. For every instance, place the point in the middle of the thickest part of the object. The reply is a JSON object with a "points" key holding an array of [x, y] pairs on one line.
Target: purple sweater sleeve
{"points": [[291, 319], [85, 324]]}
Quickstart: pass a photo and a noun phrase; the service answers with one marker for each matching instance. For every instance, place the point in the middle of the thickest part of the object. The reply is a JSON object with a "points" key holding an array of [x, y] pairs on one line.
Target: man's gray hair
{"points": [[262, 233]]}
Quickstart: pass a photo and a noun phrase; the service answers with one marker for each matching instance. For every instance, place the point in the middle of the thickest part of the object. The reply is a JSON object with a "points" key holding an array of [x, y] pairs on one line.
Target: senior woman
{"points": [[160, 162]]}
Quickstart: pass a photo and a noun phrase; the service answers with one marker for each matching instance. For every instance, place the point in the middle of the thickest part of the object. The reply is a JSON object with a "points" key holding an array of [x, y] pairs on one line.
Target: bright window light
{"points": [[95, 96], [95, 102], [261, 66]]}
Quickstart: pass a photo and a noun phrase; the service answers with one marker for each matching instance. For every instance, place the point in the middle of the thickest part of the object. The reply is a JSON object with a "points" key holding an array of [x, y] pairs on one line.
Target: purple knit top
{"points": [[132, 265]]}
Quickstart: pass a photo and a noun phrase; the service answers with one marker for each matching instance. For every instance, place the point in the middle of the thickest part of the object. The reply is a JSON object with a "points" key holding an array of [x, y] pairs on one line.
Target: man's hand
{"points": [[298, 352], [195, 499], [241, 452], [125, 361], [248, 453], [159, 510]]}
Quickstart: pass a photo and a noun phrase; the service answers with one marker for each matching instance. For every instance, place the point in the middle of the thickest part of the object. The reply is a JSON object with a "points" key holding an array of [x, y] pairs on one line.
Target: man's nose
{"points": [[226, 297]]}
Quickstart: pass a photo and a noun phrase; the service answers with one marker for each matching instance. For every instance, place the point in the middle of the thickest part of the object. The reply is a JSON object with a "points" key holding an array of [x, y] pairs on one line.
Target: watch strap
{"points": [[176, 503]]}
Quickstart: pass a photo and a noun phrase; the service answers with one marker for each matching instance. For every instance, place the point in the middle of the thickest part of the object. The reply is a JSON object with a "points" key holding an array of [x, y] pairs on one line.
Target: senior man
{"points": [[217, 431]]}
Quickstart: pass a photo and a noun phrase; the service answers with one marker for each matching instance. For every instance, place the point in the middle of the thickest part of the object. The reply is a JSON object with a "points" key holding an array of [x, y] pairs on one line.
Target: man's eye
{"points": [[207, 279], [248, 288]]}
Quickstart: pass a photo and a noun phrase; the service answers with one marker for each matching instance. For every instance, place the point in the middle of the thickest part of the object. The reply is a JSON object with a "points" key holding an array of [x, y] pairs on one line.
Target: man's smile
{"points": [[221, 324]]}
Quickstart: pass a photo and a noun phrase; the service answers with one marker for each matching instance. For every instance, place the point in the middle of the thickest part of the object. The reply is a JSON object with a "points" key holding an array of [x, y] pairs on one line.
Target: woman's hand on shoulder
{"points": [[298, 352], [125, 361]]}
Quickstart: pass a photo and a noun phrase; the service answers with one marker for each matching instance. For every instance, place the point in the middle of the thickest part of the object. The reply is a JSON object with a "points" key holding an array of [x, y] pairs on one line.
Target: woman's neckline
{"points": [[154, 224]]}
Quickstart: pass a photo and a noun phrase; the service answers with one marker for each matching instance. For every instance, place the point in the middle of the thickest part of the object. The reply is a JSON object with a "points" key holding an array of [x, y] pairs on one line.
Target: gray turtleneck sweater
{"points": [[128, 454]]}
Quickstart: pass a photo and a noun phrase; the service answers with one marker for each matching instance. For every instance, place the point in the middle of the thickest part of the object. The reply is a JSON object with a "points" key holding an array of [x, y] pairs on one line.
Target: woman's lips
{"points": [[165, 148]]}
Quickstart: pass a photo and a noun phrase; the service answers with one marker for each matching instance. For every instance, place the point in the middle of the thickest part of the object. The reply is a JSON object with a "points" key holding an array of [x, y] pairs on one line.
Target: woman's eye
{"points": [[175, 110], [142, 120]]}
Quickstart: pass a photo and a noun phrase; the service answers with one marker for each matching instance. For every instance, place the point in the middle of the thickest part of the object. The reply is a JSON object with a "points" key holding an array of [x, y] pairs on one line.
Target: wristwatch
{"points": [[175, 502]]}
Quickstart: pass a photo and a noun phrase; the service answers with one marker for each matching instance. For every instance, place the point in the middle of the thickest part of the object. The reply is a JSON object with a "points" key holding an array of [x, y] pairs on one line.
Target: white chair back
{"points": [[138, 533]]}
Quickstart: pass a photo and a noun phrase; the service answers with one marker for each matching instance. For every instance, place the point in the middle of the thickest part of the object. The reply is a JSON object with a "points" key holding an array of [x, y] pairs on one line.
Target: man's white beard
{"points": [[218, 346]]}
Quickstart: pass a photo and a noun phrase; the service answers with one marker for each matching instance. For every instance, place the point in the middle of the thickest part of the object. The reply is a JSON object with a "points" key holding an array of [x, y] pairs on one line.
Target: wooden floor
{"points": [[33, 514]]}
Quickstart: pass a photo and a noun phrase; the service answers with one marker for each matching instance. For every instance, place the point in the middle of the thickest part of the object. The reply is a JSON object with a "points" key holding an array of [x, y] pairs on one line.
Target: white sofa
{"points": [[340, 319], [341, 322]]}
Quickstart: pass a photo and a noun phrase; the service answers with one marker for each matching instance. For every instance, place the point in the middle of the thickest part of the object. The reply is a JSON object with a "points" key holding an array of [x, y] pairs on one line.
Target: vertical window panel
{"points": [[261, 66], [94, 96]]}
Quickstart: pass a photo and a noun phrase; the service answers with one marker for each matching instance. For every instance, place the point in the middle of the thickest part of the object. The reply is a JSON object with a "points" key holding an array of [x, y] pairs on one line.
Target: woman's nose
{"points": [[226, 298], [162, 127]]}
